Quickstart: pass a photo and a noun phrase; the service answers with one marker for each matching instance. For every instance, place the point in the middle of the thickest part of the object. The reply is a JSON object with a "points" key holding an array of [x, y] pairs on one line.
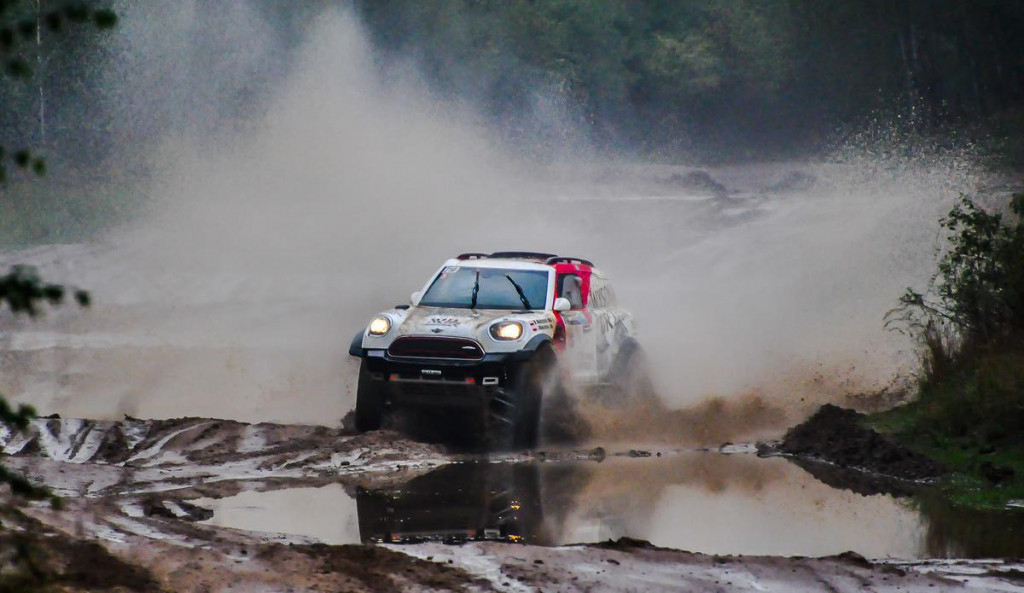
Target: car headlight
{"points": [[507, 330], [379, 326]]}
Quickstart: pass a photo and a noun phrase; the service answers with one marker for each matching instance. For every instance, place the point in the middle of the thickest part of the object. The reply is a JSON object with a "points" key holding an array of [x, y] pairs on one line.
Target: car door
{"points": [[581, 339], [601, 305]]}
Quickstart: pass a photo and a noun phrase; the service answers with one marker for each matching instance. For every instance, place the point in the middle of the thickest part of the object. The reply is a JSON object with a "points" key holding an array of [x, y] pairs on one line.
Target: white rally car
{"points": [[495, 333]]}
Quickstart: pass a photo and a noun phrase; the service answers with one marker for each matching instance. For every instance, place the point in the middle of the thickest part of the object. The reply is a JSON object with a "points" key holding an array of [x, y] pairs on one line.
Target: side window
{"points": [[570, 286]]}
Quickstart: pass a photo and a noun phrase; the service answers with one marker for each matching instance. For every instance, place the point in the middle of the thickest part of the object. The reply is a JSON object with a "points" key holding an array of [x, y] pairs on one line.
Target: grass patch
{"points": [[972, 463]]}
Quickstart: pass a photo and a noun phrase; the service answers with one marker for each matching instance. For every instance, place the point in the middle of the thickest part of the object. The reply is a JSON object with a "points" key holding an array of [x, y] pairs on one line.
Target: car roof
{"points": [[549, 259], [512, 264]]}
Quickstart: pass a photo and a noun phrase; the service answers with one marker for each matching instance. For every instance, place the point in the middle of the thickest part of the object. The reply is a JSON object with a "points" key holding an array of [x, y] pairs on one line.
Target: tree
{"points": [[22, 23], [25, 293], [760, 72], [970, 322], [22, 290]]}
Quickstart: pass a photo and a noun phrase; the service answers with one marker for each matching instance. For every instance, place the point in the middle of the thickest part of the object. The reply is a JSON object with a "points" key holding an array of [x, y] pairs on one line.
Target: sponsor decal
{"points": [[444, 321], [540, 323]]}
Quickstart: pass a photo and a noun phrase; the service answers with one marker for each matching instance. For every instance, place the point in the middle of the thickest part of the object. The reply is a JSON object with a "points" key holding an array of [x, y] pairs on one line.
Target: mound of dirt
{"points": [[834, 434]]}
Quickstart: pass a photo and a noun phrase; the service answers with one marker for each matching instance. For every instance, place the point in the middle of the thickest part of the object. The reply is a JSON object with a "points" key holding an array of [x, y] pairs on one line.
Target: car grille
{"points": [[425, 347]]}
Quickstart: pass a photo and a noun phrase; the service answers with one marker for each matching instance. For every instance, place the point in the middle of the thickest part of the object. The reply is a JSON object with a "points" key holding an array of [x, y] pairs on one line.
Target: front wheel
{"points": [[514, 415], [369, 401]]}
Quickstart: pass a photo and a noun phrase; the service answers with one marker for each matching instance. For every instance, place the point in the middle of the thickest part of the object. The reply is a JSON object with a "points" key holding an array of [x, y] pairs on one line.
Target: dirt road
{"points": [[148, 492]]}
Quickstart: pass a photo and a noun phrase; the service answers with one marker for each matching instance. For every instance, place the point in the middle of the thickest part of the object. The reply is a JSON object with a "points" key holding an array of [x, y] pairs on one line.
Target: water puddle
{"points": [[327, 513], [702, 502]]}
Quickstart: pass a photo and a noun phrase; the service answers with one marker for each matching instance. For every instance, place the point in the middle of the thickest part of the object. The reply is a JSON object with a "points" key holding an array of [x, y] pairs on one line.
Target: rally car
{"points": [[495, 333]]}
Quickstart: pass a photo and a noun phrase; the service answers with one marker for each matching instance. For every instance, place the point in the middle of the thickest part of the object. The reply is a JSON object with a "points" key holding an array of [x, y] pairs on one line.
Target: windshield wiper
{"points": [[476, 290], [522, 295]]}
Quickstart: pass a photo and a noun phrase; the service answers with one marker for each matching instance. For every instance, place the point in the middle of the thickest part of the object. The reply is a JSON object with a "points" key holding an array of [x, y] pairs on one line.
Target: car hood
{"points": [[441, 321]]}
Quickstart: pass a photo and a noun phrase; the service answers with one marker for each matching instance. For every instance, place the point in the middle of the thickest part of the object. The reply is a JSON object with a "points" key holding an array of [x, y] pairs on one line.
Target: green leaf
{"points": [[53, 293], [105, 19], [27, 28], [77, 13], [6, 38], [54, 22], [83, 298], [1017, 204], [19, 68]]}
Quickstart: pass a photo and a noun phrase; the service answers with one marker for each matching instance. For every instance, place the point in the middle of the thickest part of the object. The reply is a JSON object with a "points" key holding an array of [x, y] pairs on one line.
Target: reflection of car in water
{"points": [[535, 503], [460, 502], [484, 335]]}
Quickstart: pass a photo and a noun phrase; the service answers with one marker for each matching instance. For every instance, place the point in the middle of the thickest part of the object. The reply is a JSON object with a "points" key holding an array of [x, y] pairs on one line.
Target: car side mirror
{"points": [[562, 305], [414, 298]]}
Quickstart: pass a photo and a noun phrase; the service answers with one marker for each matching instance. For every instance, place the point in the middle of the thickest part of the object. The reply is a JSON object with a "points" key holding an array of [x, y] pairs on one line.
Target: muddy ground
{"points": [[137, 517], [834, 435], [836, 449]]}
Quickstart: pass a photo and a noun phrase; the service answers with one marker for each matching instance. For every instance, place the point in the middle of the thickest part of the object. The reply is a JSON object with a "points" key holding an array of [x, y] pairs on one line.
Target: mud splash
{"points": [[648, 421]]}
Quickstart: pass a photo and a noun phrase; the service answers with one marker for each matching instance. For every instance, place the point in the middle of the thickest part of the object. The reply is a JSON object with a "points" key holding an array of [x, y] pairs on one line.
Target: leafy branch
{"points": [[976, 299], [21, 25], [25, 293]]}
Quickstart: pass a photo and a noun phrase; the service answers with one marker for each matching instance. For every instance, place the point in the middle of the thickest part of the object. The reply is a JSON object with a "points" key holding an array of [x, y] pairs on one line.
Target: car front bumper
{"points": [[441, 382]]}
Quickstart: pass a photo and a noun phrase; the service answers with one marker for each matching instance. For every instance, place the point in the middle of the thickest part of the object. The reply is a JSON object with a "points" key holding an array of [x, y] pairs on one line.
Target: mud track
{"points": [[134, 520], [135, 457]]}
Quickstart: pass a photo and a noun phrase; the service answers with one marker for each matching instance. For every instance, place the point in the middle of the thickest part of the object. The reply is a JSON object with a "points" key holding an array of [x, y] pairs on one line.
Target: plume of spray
{"points": [[268, 243], [266, 246], [278, 242]]}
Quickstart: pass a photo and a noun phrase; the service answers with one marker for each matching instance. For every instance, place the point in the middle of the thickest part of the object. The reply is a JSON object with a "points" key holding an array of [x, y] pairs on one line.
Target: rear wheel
{"points": [[369, 400], [630, 376]]}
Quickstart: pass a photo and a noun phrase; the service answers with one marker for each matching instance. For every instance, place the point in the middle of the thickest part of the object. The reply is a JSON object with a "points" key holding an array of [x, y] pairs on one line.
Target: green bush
{"points": [[970, 324], [979, 401]]}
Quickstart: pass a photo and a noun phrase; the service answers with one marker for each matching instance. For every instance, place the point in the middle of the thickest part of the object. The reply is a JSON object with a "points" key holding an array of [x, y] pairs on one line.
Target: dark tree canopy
{"points": [[747, 71]]}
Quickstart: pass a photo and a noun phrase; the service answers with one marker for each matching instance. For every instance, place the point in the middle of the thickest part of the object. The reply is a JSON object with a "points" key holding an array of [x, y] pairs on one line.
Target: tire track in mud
{"points": [[138, 478], [103, 458], [132, 486]]}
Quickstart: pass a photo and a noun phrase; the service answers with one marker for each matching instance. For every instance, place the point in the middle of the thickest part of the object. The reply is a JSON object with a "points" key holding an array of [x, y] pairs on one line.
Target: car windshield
{"points": [[487, 288]]}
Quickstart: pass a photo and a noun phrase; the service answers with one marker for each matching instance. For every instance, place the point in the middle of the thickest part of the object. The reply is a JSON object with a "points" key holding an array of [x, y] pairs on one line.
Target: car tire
{"points": [[514, 417], [630, 375], [369, 401]]}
